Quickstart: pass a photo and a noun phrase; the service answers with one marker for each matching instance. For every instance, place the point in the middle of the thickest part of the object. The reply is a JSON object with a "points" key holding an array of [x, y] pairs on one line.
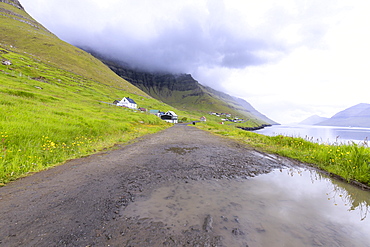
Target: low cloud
{"points": [[176, 37], [254, 48]]}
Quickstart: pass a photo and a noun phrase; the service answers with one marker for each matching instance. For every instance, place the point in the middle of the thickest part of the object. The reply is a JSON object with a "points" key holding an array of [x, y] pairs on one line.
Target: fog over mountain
{"points": [[289, 59], [180, 38]]}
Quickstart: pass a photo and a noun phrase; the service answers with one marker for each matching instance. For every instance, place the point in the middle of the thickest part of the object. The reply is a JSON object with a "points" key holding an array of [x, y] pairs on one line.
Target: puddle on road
{"points": [[290, 207]]}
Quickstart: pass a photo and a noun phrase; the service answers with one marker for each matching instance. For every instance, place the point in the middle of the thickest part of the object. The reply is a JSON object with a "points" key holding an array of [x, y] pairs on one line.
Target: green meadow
{"points": [[351, 161], [56, 100], [49, 115], [55, 105]]}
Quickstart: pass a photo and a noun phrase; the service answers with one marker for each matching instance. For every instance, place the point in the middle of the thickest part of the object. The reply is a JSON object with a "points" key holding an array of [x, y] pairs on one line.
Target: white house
{"points": [[170, 117], [127, 102]]}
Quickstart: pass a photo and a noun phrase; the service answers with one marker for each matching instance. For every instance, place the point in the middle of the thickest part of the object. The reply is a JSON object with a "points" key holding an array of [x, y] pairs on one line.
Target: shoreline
{"points": [[255, 128]]}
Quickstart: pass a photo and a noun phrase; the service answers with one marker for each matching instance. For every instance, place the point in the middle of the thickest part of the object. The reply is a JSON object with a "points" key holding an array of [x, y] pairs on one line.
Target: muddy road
{"points": [[83, 202]]}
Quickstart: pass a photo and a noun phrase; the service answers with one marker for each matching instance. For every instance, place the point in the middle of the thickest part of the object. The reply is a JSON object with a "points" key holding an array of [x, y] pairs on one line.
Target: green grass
{"points": [[22, 34], [351, 162], [52, 100], [49, 115]]}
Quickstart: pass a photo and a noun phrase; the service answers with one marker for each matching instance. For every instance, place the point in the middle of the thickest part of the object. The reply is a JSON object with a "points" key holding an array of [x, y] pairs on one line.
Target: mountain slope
{"points": [[252, 110], [183, 92], [14, 3], [22, 33], [52, 98], [313, 120], [356, 116]]}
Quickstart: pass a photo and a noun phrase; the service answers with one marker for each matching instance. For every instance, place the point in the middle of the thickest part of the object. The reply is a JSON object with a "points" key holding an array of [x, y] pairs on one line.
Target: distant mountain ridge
{"points": [[184, 92], [315, 119], [355, 116]]}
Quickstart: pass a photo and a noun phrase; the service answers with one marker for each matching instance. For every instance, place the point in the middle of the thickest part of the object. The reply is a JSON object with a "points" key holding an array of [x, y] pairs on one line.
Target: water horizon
{"points": [[320, 134]]}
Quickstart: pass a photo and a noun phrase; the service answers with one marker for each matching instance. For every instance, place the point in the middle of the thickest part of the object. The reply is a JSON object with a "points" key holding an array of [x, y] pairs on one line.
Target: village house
{"points": [[170, 117], [127, 102], [203, 119]]}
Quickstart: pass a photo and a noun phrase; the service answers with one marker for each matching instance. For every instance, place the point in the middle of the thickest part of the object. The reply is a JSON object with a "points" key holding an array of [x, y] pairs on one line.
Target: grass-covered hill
{"points": [[52, 98], [55, 99], [183, 92]]}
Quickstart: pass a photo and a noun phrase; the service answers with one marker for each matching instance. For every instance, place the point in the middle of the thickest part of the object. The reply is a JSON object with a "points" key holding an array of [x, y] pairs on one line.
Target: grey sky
{"points": [[271, 53]]}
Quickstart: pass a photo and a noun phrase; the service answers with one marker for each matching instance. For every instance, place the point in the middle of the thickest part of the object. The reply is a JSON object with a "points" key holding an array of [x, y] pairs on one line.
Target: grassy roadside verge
{"points": [[52, 100], [51, 139], [49, 115], [351, 162]]}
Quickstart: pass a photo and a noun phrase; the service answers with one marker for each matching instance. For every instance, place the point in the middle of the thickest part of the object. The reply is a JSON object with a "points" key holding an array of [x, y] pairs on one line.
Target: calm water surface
{"points": [[321, 134], [289, 207]]}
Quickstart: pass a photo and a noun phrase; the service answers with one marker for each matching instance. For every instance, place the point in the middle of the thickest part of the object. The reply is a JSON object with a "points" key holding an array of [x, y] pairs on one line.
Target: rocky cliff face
{"points": [[15, 3], [184, 92], [160, 81]]}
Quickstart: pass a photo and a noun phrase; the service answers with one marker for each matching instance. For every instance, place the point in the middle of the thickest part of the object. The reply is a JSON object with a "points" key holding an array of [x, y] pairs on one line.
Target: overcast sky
{"points": [[290, 59]]}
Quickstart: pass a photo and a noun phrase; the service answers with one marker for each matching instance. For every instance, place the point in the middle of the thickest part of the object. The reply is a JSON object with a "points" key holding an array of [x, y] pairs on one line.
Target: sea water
{"points": [[320, 134]]}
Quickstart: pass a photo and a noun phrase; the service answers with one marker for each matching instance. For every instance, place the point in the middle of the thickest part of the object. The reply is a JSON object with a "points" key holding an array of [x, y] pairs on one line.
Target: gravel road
{"points": [[82, 203]]}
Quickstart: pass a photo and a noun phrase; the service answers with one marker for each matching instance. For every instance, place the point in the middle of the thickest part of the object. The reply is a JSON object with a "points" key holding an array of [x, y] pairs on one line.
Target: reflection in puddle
{"points": [[291, 207]]}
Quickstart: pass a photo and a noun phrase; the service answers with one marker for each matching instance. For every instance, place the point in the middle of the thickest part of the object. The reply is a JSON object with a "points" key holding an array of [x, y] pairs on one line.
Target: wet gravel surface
{"points": [[82, 202]]}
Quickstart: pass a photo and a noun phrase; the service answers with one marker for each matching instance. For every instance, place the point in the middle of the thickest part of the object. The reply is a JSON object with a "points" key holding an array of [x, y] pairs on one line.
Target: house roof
{"points": [[130, 100], [171, 113]]}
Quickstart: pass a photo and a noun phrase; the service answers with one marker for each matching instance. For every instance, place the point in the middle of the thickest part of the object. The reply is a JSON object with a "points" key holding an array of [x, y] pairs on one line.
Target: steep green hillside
{"points": [[52, 98], [240, 105], [185, 93], [22, 34]]}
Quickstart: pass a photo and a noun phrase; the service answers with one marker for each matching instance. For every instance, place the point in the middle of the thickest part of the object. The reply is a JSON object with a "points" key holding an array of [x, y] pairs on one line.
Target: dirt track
{"points": [[82, 202]]}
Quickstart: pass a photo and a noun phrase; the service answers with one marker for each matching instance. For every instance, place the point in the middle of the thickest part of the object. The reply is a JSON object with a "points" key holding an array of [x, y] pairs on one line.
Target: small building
{"points": [[170, 117], [155, 112], [142, 109], [127, 102], [203, 119]]}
